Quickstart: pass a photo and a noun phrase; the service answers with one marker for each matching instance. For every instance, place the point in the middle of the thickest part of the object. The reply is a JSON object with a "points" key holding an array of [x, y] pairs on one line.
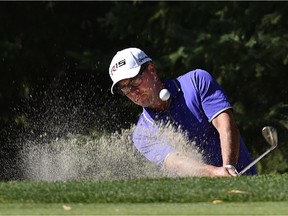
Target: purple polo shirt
{"points": [[196, 99]]}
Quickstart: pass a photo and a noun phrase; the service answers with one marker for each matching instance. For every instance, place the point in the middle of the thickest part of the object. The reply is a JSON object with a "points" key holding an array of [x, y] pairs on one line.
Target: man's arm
{"points": [[229, 137], [185, 165]]}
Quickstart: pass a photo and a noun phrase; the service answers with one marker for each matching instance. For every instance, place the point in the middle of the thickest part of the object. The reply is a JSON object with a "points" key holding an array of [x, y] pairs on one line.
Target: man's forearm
{"points": [[230, 141], [229, 137], [183, 165]]}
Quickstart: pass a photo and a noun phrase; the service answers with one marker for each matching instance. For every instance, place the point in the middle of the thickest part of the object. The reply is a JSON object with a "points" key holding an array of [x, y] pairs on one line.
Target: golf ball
{"points": [[164, 95]]}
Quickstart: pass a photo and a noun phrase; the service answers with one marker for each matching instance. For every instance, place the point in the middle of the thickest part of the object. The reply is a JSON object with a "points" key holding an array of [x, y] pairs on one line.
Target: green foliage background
{"points": [[61, 49]]}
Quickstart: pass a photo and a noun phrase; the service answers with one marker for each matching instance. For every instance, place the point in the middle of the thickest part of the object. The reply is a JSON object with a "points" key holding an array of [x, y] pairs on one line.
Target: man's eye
{"points": [[124, 87], [136, 81]]}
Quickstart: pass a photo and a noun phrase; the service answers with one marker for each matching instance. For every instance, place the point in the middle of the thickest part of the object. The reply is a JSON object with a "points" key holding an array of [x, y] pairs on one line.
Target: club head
{"points": [[270, 135]]}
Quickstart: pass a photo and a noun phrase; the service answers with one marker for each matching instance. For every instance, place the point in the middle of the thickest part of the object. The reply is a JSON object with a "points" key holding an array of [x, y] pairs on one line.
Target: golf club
{"points": [[270, 135]]}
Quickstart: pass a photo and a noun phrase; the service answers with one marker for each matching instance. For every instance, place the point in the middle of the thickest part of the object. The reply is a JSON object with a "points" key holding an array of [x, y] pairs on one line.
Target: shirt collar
{"points": [[173, 87]]}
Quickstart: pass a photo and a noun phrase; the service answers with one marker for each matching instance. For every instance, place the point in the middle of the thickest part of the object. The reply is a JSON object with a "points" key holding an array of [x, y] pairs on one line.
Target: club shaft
{"points": [[254, 162]]}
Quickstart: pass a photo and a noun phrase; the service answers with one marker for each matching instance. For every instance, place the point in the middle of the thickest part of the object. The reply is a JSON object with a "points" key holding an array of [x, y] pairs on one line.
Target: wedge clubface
{"points": [[270, 135]]}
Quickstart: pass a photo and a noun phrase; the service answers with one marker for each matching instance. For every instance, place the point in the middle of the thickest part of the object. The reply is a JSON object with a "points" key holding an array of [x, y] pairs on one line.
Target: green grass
{"points": [[258, 208], [266, 194]]}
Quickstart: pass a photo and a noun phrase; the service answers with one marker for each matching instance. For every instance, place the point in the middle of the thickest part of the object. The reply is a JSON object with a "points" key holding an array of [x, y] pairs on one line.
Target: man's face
{"points": [[142, 89]]}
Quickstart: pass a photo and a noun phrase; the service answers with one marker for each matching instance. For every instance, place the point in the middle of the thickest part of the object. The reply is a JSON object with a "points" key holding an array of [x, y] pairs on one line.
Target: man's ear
{"points": [[152, 69]]}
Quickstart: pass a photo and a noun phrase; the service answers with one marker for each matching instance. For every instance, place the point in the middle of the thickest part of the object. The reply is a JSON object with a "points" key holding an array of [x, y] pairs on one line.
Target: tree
{"points": [[55, 58]]}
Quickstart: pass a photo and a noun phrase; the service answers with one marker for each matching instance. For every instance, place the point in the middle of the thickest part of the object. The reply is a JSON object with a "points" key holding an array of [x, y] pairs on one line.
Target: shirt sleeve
{"points": [[150, 142], [213, 98]]}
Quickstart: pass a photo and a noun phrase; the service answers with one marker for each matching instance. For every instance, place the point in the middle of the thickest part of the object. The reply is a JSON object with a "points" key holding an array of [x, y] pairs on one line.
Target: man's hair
{"points": [[145, 65]]}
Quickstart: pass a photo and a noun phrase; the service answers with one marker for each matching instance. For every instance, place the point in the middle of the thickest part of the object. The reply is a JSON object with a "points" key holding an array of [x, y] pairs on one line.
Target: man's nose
{"points": [[134, 90]]}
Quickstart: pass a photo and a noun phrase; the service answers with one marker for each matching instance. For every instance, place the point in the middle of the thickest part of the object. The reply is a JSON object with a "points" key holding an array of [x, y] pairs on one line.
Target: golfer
{"points": [[194, 104]]}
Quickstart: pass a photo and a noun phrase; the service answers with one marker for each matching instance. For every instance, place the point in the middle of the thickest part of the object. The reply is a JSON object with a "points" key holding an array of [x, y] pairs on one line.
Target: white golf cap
{"points": [[126, 64]]}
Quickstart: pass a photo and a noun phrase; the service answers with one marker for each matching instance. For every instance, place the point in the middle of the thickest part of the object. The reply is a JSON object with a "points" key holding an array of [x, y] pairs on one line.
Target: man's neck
{"points": [[160, 106]]}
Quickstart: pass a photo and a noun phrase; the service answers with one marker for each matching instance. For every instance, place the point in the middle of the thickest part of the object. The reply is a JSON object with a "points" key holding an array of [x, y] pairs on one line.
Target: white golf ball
{"points": [[164, 94]]}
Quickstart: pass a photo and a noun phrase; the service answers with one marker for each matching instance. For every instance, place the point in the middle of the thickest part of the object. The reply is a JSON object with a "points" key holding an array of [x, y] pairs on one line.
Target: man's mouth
{"points": [[139, 98]]}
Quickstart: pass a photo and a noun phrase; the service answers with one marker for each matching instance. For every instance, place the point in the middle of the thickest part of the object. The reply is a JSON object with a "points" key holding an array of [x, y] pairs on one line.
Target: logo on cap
{"points": [[117, 65]]}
